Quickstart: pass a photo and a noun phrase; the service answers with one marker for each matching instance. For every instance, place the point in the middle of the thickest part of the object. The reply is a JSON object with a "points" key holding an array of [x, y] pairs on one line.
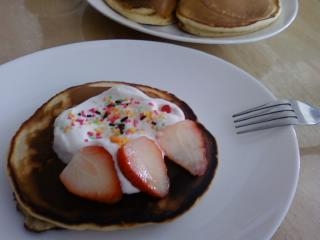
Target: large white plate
{"points": [[258, 172], [289, 12]]}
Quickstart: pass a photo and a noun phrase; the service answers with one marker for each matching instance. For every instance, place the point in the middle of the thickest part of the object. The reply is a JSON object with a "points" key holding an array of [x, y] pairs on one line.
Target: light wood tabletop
{"points": [[288, 64]]}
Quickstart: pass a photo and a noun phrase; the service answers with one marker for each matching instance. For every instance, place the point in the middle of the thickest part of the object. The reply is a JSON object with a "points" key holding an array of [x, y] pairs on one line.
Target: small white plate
{"points": [[258, 172], [289, 12]]}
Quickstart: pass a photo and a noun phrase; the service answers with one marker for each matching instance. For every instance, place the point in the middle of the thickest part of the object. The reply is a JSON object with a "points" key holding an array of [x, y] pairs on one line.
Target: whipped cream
{"points": [[111, 119]]}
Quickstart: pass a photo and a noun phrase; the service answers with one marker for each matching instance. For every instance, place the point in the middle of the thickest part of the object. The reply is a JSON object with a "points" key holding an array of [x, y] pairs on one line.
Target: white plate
{"points": [[258, 172], [289, 12]]}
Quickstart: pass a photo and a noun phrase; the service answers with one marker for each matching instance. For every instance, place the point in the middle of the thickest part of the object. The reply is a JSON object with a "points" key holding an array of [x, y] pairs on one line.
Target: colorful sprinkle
{"points": [[166, 108], [124, 119], [119, 140], [120, 117]]}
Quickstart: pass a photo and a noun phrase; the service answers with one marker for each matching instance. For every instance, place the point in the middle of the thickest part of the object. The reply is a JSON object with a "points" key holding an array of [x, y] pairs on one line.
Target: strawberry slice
{"points": [[142, 162], [91, 174], [184, 143]]}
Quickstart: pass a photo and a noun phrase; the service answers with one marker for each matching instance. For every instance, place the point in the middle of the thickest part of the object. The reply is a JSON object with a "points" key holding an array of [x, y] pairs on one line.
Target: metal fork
{"points": [[275, 114]]}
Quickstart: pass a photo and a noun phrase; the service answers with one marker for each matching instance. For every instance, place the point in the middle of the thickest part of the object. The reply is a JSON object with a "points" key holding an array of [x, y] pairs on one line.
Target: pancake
{"points": [[211, 18], [34, 169], [153, 12]]}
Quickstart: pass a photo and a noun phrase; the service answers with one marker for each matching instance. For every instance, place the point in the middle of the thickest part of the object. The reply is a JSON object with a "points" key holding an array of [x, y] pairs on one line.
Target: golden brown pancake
{"points": [[153, 12], [226, 17], [34, 170]]}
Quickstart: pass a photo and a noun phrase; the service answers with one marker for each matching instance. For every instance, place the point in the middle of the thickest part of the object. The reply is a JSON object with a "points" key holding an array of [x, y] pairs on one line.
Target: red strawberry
{"points": [[184, 143], [91, 174], [142, 162]]}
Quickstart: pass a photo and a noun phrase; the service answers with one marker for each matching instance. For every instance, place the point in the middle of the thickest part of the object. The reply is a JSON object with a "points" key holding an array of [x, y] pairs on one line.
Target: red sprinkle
{"points": [[93, 110], [135, 122], [80, 121], [166, 108]]}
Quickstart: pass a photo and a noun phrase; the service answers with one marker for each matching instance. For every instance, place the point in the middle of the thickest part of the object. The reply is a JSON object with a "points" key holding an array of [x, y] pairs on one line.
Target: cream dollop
{"points": [[110, 119]]}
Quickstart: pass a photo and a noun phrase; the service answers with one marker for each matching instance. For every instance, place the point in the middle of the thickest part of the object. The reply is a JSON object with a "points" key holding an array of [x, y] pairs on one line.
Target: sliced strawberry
{"points": [[91, 174], [142, 162], [184, 143]]}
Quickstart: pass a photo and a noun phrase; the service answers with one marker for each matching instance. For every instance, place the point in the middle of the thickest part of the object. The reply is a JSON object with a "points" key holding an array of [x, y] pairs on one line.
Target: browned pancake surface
{"points": [[163, 8], [228, 13]]}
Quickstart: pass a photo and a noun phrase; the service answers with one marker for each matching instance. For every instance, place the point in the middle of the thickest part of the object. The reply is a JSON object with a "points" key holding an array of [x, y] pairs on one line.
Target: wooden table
{"points": [[288, 64]]}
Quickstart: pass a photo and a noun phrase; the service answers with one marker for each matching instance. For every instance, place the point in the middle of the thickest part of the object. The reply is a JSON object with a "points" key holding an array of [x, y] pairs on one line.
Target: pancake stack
{"points": [[34, 170], [208, 18], [152, 12], [227, 17]]}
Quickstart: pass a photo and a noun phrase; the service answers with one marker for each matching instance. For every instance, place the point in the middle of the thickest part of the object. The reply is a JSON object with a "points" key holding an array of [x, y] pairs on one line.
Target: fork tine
{"points": [[264, 120], [263, 107], [258, 115], [279, 113], [267, 125], [264, 113]]}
